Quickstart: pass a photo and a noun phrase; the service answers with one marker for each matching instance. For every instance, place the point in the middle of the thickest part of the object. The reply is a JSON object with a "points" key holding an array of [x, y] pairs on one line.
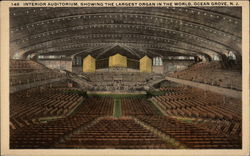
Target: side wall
{"points": [[57, 64], [175, 65], [158, 69]]}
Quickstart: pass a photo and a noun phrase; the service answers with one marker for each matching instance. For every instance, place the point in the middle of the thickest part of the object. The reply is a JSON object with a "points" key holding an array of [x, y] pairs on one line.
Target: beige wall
{"points": [[77, 69], [172, 66], [57, 64], [158, 69]]}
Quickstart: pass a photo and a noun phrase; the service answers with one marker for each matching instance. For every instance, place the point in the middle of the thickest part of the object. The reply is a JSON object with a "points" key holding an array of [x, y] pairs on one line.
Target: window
{"points": [[191, 58], [16, 56], [51, 56], [216, 58], [157, 61], [28, 57], [180, 58], [231, 56], [78, 61], [203, 58], [40, 56]]}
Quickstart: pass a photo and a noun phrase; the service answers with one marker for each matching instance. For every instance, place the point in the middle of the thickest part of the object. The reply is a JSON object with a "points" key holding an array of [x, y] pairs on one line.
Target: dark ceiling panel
{"points": [[132, 31]]}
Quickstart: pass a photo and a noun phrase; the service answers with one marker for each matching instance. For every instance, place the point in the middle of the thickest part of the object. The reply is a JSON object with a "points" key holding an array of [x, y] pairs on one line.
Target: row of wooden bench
{"points": [[136, 106], [198, 105], [33, 77], [189, 134], [212, 74], [98, 106], [229, 128], [27, 71], [42, 107], [24, 64], [45, 135], [114, 133], [35, 104]]}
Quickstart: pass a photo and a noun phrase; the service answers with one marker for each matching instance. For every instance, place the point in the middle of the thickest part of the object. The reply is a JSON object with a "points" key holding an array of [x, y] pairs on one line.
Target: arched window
{"points": [[157, 61], [78, 61], [51, 56], [181, 58], [28, 57], [41, 56], [231, 56], [216, 58], [16, 56]]}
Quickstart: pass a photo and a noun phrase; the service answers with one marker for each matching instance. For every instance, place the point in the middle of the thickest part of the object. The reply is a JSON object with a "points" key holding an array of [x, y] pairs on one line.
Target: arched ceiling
{"points": [[169, 31]]}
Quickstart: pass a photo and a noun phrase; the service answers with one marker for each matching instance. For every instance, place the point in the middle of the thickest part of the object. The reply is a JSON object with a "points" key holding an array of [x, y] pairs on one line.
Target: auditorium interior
{"points": [[125, 78]]}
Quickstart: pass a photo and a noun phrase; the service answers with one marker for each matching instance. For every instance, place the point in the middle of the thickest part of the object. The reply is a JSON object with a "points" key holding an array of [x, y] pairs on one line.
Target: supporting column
{"points": [[117, 60], [146, 64], [88, 64]]}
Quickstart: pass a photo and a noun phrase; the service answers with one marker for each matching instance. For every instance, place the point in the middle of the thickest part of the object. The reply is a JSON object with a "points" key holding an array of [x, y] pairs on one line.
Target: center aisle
{"points": [[117, 108]]}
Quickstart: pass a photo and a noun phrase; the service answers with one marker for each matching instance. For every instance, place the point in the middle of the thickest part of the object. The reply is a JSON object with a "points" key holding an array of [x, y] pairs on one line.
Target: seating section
{"points": [[123, 133], [28, 106], [221, 115], [57, 115], [190, 135], [92, 126], [211, 73], [228, 128], [23, 66], [137, 106], [197, 104], [27, 71], [46, 135], [98, 106]]}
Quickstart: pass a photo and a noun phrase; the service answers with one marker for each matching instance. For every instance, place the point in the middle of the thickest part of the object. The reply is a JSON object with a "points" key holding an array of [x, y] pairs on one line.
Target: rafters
{"points": [[191, 31]]}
